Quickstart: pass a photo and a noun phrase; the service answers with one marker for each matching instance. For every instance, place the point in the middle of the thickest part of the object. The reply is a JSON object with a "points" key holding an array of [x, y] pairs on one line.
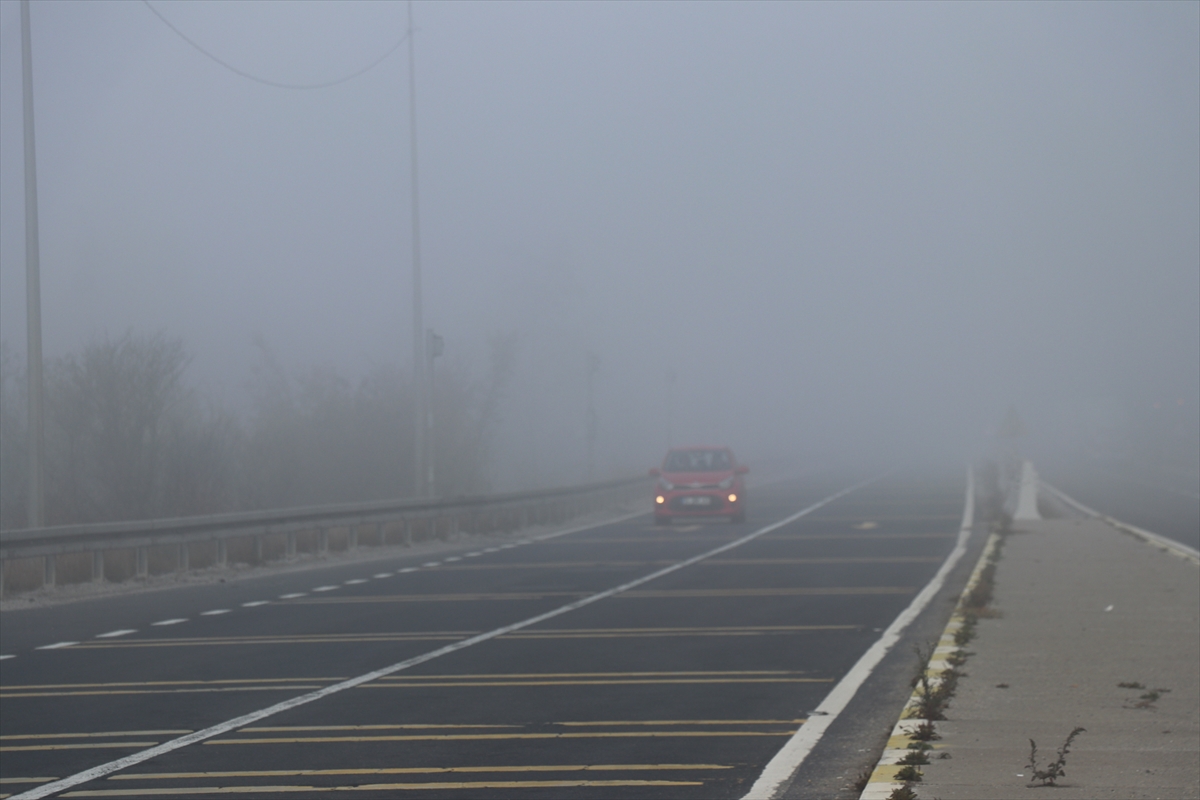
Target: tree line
{"points": [[127, 436]]}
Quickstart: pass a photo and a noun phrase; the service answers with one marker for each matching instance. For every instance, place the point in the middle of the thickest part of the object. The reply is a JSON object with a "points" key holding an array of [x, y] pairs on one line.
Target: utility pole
{"points": [[593, 364], [36, 511], [421, 488], [434, 347], [670, 408]]}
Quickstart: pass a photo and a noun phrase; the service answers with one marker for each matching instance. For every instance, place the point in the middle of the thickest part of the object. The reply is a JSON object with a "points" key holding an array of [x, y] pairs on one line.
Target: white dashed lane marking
{"points": [[168, 622], [410, 569], [381, 575], [115, 634], [292, 596], [353, 581], [216, 612], [431, 564], [325, 588], [255, 603], [453, 558], [2, 658], [56, 646]]}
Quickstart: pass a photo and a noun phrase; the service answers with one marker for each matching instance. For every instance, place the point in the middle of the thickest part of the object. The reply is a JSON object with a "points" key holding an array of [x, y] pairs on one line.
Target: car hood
{"points": [[685, 479]]}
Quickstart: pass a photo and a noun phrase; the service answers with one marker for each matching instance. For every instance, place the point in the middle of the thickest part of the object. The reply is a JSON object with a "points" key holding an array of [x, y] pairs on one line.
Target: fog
{"points": [[840, 233]]}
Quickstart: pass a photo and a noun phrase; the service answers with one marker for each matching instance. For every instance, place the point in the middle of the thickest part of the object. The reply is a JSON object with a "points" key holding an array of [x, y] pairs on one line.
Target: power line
{"points": [[278, 84]]}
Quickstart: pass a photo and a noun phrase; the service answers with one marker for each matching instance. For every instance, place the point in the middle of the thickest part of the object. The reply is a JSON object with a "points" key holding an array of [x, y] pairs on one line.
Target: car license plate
{"points": [[697, 501]]}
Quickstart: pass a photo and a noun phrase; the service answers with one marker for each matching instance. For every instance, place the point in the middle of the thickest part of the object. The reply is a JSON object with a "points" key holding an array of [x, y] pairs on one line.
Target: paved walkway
{"points": [[1084, 608]]}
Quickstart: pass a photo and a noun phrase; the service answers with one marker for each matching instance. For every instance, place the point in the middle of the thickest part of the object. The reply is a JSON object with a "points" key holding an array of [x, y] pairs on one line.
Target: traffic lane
{"points": [[208, 666], [738, 686], [1158, 509]]}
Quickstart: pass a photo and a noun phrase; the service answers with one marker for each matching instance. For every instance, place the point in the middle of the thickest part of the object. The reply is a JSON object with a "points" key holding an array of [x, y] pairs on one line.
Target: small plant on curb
{"points": [[1055, 769], [905, 792], [1131, 685], [908, 773], [919, 746], [864, 777], [925, 732], [966, 631], [914, 758]]}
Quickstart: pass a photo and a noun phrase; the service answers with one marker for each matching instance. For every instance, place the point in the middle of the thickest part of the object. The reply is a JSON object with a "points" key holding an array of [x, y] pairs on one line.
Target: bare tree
{"points": [[108, 408]]}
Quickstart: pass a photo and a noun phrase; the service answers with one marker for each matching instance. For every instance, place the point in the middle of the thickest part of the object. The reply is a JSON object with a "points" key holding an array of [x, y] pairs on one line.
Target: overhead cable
{"points": [[277, 84]]}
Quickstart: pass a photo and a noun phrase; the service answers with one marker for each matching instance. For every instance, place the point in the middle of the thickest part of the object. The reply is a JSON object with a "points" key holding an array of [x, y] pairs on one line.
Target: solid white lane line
{"points": [[325, 588], [115, 634], [255, 603], [381, 575], [175, 621], [788, 760], [304, 699], [55, 646], [216, 612], [354, 581], [292, 596]]}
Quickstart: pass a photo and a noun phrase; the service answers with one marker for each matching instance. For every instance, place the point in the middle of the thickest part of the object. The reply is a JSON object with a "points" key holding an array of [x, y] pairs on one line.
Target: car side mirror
{"points": [[741, 469], [655, 472]]}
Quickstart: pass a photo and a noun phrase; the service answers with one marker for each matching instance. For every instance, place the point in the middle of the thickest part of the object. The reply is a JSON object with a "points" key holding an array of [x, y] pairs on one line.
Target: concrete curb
{"points": [[883, 781]]}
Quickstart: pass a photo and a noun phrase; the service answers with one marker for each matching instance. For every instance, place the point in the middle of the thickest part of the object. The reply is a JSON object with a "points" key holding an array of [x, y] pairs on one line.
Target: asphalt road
{"points": [[684, 686], [1164, 504]]}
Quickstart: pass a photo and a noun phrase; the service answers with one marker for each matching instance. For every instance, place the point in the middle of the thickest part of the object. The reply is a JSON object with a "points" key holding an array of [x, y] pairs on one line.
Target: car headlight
{"points": [[665, 484]]}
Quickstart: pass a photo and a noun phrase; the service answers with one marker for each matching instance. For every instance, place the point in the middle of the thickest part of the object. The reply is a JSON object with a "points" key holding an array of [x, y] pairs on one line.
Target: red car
{"points": [[700, 482]]}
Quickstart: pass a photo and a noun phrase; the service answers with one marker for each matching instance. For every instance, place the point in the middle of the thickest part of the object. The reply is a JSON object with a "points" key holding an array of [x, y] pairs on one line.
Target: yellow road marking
{"points": [[535, 633], [413, 726], [830, 560], [515, 675], [283, 773], [165, 683], [643, 594], [79, 746], [783, 592], [87, 735], [26, 780], [477, 737], [373, 787], [100, 692], [687, 722], [623, 682]]}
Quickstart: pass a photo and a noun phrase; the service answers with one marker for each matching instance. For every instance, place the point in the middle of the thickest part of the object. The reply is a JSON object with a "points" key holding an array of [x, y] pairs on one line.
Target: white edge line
{"points": [[304, 699], [785, 763], [1178, 548]]}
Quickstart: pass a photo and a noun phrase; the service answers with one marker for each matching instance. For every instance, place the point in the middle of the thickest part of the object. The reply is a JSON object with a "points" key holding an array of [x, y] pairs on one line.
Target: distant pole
{"points": [[36, 517], [670, 408], [421, 488], [434, 347], [593, 364]]}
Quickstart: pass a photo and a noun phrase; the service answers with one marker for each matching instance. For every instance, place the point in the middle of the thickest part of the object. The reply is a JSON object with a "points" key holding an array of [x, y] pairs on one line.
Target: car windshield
{"points": [[697, 461]]}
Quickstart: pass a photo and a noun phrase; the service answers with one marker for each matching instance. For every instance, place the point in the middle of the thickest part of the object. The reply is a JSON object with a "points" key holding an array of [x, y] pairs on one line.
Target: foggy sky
{"points": [[846, 228]]}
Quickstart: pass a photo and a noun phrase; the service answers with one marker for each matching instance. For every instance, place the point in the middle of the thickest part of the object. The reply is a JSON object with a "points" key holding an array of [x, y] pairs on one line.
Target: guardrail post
{"points": [[290, 547], [323, 541], [98, 566], [181, 557], [143, 558], [48, 566], [222, 553]]}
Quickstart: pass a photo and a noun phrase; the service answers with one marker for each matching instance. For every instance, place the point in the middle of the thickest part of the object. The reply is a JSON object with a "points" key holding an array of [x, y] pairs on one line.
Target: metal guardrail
{"points": [[270, 535]]}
